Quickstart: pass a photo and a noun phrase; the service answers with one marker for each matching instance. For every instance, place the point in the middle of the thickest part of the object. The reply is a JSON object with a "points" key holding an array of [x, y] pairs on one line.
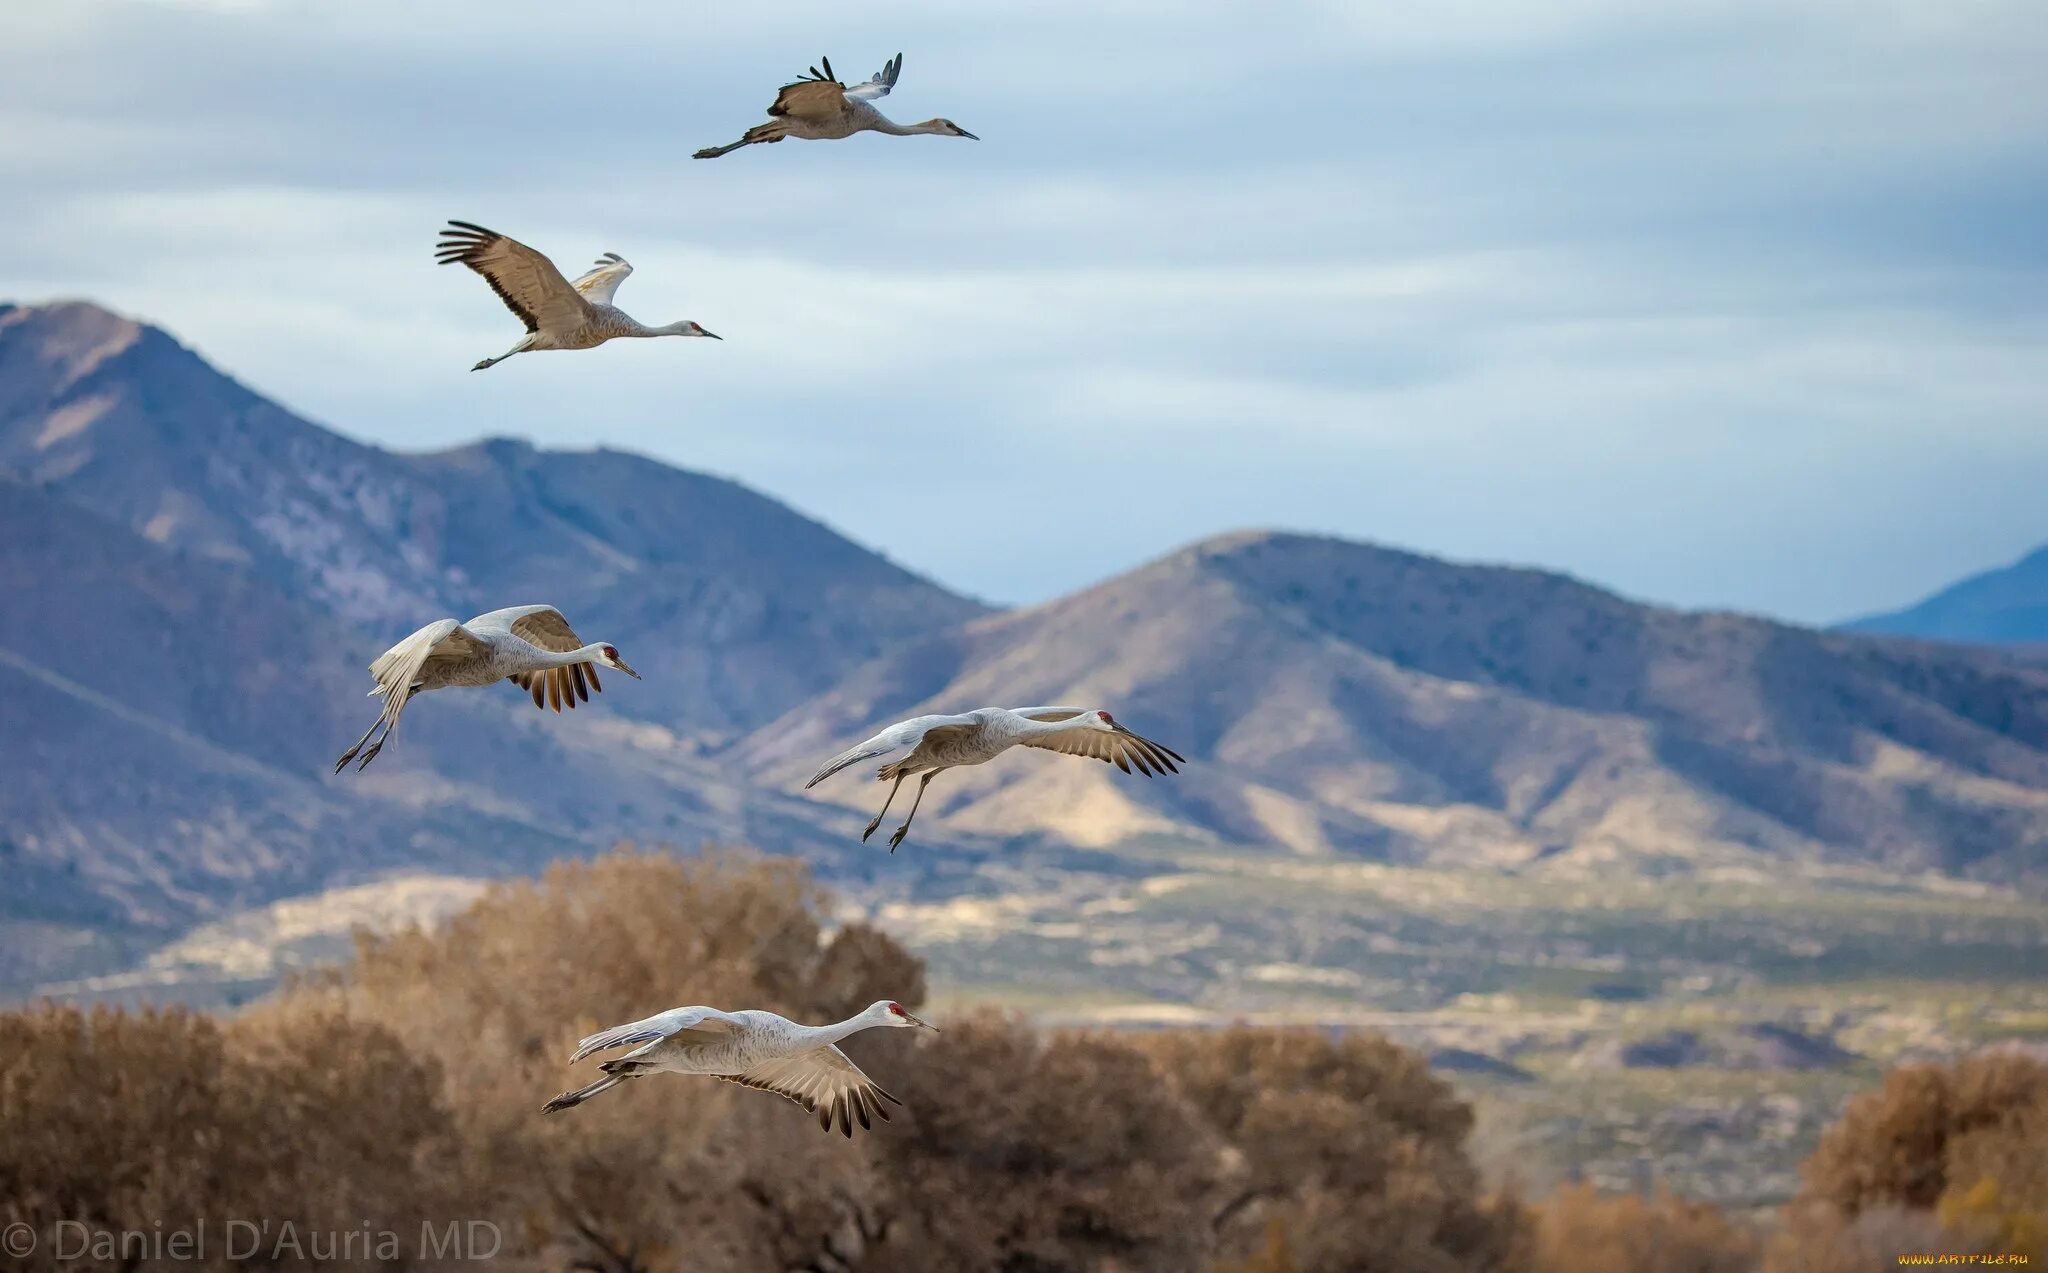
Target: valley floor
{"points": [[1697, 1029]]}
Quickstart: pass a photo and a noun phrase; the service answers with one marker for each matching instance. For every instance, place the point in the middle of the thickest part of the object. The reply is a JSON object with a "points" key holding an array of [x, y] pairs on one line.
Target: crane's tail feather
{"points": [[569, 1100]]}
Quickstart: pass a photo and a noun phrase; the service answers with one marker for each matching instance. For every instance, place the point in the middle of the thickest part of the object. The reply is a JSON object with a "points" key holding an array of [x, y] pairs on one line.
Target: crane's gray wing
{"points": [[880, 745], [693, 1025], [1117, 746], [600, 283], [825, 1083], [903, 734], [1048, 713], [526, 281], [820, 99], [398, 667], [877, 86], [560, 687], [544, 626]]}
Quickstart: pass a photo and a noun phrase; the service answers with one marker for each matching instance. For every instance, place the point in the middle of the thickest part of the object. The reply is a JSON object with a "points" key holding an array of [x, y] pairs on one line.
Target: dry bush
{"points": [[1940, 1158], [407, 1087], [148, 1122], [1022, 1153], [1815, 1237], [1349, 1148], [653, 1175], [1893, 1147], [1580, 1230]]}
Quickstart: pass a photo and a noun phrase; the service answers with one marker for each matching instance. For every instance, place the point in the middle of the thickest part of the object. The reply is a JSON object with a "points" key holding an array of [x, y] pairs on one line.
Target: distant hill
{"points": [[2004, 606], [1339, 698]]}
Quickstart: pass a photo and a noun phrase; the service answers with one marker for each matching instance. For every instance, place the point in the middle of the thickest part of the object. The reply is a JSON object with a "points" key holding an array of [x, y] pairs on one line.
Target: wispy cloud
{"points": [[1730, 303]]}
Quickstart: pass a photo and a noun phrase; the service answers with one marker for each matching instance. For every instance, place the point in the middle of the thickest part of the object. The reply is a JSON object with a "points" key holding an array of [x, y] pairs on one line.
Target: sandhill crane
{"points": [[532, 646], [754, 1049], [931, 744], [558, 314], [817, 107]]}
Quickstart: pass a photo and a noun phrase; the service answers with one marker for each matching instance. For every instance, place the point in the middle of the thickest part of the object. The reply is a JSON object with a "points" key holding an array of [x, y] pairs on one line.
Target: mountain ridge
{"points": [[1395, 690], [197, 577], [2005, 605], [758, 604]]}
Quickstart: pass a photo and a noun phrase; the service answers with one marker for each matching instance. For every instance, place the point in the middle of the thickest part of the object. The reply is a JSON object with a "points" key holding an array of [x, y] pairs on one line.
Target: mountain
{"points": [[1343, 699], [733, 606], [2007, 605], [197, 579]]}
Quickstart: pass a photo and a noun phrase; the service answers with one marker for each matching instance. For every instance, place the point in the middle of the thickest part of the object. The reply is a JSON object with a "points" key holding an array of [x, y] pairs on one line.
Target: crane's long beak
{"points": [[920, 1021], [964, 133], [714, 335], [627, 670]]}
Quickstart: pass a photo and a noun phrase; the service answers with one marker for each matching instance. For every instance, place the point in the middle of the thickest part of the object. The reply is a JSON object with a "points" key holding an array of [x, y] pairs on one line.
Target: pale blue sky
{"points": [[1740, 304]]}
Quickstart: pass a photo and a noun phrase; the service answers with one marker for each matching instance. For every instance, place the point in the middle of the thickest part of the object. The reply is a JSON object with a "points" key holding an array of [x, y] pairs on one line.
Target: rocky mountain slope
{"points": [[734, 606], [1342, 699], [195, 579]]}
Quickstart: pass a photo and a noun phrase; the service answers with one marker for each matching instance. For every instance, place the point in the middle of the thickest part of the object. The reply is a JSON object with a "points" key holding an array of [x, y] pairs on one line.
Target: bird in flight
{"points": [[558, 314], [532, 646], [754, 1049], [817, 107], [932, 744]]}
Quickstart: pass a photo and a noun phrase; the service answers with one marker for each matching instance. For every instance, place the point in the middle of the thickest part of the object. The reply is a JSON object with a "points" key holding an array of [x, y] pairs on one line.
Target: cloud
{"points": [[1723, 304]]}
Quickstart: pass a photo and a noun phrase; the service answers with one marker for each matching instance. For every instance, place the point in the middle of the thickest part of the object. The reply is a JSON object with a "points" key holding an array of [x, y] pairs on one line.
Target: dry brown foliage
{"points": [[1580, 1230], [1347, 1153], [1950, 1157], [137, 1122], [407, 1086]]}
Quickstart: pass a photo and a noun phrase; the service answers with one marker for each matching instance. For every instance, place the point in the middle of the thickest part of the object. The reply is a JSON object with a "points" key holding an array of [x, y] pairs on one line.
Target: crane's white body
{"points": [[531, 645], [932, 744], [754, 1048], [558, 314], [818, 107]]}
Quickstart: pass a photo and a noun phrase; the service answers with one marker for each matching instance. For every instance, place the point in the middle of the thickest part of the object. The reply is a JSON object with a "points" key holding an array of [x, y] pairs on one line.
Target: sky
{"points": [[1738, 304]]}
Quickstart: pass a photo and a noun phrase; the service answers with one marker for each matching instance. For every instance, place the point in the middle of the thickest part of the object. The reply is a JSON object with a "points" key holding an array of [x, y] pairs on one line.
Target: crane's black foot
{"points": [[346, 756], [897, 838], [369, 755], [871, 828]]}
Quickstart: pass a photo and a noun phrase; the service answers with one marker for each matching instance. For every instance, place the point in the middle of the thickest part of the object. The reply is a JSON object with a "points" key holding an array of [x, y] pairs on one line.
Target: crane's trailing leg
{"points": [[759, 134], [350, 754], [904, 830], [519, 348], [568, 1100], [371, 754], [885, 808]]}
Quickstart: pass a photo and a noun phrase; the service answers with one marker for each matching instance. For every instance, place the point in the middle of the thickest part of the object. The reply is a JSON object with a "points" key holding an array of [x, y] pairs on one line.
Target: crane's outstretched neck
{"points": [[582, 654], [883, 124], [854, 1024], [1025, 727]]}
